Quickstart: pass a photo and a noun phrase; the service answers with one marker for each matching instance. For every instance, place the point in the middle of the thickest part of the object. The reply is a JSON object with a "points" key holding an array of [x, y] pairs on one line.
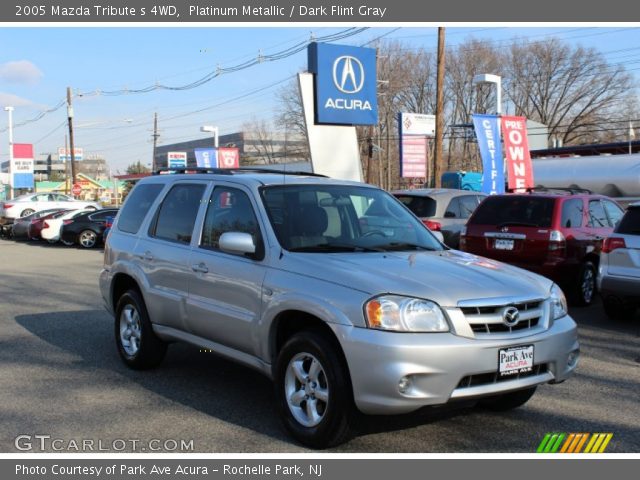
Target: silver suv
{"points": [[279, 272]]}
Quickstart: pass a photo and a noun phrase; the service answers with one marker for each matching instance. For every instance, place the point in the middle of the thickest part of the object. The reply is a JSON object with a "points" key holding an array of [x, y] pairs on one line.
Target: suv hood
{"points": [[445, 277]]}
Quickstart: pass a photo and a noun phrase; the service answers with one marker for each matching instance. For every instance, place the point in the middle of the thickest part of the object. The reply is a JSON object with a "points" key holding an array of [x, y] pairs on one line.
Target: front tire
{"points": [[138, 345], [508, 401], [313, 390]]}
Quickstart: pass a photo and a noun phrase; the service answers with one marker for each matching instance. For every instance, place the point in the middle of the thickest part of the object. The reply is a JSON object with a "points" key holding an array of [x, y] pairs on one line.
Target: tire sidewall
{"points": [[333, 427], [580, 297], [95, 236]]}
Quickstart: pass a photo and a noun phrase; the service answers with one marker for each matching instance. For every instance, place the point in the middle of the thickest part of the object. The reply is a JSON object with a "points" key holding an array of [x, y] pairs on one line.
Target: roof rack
{"points": [[569, 190], [232, 171]]}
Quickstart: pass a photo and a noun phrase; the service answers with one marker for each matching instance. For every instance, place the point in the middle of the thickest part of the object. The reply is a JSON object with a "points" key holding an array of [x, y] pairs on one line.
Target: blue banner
{"points": [[490, 145], [345, 84], [206, 157]]}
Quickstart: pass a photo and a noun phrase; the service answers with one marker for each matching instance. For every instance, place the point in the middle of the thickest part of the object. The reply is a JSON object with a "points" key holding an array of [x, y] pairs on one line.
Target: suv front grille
{"points": [[489, 320], [494, 377]]}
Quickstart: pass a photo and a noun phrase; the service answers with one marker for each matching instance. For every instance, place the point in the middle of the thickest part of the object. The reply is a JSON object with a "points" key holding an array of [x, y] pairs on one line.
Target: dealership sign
{"points": [[177, 159], [64, 154], [516, 146], [345, 84], [415, 130], [488, 135], [22, 166]]}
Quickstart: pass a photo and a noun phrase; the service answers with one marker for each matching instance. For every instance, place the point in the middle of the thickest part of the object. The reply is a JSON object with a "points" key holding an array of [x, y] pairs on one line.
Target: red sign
{"points": [[22, 150], [76, 189], [414, 156], [518, 158], [228, 157]]}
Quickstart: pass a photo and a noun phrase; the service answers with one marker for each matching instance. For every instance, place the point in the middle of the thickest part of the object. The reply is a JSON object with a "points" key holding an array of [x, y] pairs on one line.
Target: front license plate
{"points": [[502, 244], [512, 361]]}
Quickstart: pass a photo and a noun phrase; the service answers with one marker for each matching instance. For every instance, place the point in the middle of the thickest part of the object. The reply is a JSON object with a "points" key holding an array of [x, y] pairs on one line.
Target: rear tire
{"points": [[88, 239], [584, 291], [27, 211], [313, 390], [138, 345], [508, 401]]}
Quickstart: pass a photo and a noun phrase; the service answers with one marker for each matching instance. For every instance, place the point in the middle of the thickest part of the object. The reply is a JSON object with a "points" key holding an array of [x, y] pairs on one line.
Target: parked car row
{"points": [[70, 226]]}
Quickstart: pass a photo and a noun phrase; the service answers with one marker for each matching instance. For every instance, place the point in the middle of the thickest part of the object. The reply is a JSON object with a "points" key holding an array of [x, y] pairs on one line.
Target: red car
{"points": [[35, 227], [556, 234]]}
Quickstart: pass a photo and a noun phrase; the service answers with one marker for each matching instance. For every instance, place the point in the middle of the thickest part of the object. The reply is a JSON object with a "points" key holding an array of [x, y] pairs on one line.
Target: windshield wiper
{"points": [[518, 224], [334, 247]]}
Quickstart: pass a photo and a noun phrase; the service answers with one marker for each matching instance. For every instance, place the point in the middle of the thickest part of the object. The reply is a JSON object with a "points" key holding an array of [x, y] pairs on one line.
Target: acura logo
{"points": [[348, 74], [510, 316]]}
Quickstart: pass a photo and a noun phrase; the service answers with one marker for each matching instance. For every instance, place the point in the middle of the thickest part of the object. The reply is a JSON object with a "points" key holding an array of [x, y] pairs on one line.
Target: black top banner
{"points": [[317, 11]]}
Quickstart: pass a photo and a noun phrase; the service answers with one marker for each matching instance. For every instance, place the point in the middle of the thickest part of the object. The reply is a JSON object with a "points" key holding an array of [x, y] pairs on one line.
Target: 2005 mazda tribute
{"points": [[334, 290]]}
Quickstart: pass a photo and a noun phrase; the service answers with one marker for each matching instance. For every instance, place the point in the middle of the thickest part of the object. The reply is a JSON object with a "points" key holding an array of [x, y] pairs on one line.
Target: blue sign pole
{"points": [[490, 145]]}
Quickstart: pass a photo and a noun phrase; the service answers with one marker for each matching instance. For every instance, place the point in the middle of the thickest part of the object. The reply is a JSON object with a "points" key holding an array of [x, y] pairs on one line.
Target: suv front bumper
{"points": [[435, 364]]}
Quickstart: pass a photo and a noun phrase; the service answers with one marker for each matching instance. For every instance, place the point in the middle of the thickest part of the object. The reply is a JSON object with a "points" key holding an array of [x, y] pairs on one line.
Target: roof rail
{"points": [[232, 171], [569, 190]]}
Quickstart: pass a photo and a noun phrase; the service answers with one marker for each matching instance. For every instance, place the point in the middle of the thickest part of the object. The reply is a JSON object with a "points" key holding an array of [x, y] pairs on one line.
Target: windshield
{"points": [[343, 218]]}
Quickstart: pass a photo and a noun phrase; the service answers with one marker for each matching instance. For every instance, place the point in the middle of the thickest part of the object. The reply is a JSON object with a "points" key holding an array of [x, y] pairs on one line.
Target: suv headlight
{"points": [[405, 314], [558, 302]]}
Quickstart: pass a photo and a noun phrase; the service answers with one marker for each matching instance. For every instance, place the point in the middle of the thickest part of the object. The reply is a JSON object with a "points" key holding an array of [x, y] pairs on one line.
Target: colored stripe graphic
{"points": [[574, 442]]}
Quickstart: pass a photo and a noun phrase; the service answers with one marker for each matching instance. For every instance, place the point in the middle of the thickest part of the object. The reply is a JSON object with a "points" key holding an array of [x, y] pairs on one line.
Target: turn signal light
{"points": [[612, 243]]}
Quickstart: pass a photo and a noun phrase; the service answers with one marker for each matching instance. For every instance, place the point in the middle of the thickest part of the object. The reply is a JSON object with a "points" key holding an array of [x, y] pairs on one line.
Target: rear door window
{"points": [[177, 214], [572, 213], [137, 205], [515, 210], [453, 209]]}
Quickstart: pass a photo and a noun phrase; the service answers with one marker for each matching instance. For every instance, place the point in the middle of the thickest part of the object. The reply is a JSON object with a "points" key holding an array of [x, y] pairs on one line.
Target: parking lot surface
{"points": [[61, 377]]}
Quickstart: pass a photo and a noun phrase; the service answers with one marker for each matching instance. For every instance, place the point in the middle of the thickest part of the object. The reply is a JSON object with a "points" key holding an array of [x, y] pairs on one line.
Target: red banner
{"points": [[228, 157], [517, 156]]}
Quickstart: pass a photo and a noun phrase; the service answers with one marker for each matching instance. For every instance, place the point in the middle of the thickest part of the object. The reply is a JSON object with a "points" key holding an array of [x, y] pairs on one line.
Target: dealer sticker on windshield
{"points": [[515, 360]]}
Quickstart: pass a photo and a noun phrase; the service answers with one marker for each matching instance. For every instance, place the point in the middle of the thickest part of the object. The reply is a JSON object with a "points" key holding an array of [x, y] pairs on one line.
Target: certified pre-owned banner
{"points": [[516, 145], [488, 135]]}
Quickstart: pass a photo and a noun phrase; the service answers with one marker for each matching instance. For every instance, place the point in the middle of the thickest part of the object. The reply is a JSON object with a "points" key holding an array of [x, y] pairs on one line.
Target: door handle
{"points": [[146, 256], [200, 267]]}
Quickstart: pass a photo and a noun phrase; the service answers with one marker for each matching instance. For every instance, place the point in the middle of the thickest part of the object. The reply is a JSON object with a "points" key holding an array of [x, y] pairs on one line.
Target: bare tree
{"points": [[572, 90], [259, 138], [290, 119]]}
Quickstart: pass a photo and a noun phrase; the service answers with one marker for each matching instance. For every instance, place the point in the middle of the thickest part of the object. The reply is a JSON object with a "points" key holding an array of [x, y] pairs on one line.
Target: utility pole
{"points": [[9, 111], [370, 152], [67, 182], [155, 141], [438, 156], [71, 152]]}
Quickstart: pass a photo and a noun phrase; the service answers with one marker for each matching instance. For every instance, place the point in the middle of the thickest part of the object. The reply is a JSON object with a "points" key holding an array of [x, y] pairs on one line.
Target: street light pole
{"points": [[71, 145], [495, 79], [211, 129], [9, 110]]}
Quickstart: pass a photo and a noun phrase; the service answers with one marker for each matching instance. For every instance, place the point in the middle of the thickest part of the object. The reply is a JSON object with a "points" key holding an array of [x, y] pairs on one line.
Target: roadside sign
{"points": [[76, 189], [177, 159]]}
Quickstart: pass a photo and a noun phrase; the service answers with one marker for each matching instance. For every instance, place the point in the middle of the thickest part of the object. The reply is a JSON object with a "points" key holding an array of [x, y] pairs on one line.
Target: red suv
{"points": [[556, 234]]}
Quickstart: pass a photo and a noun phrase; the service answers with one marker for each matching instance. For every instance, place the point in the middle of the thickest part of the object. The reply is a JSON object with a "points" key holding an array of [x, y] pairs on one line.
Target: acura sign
{"points": [[345, 84]]}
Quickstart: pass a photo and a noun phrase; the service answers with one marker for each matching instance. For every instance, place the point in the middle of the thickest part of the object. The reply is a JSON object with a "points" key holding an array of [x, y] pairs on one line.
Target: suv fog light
{"points": [[404, 385], [572, 361]]}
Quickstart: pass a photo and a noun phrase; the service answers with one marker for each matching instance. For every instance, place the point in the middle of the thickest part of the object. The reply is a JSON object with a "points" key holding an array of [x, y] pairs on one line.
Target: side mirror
{"points": [[448, 214], [238, 243]]}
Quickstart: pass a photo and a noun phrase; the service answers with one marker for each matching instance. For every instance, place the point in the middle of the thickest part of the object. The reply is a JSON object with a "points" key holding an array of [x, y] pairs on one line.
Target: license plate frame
{"points": [[516, 360]]}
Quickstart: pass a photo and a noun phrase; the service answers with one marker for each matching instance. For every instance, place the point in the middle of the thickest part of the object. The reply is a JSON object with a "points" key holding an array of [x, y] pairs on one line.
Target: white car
{"points": [[34, 202], [52, 228]]}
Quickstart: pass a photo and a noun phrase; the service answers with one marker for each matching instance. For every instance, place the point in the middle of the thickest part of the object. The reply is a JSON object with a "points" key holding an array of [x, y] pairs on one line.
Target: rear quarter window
{"points": [[514, 210], [420, 206], [137, 206]]}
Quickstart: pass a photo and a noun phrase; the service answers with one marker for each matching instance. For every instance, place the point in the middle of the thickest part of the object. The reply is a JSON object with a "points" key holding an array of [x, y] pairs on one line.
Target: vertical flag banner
{"points": [[22, 166], [514, 131], [488, 135], [228, 157], [206, 157]]}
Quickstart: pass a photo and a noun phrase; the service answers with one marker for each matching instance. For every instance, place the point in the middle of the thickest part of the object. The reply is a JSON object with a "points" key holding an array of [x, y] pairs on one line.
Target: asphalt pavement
{"points": [[61, 379]]}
